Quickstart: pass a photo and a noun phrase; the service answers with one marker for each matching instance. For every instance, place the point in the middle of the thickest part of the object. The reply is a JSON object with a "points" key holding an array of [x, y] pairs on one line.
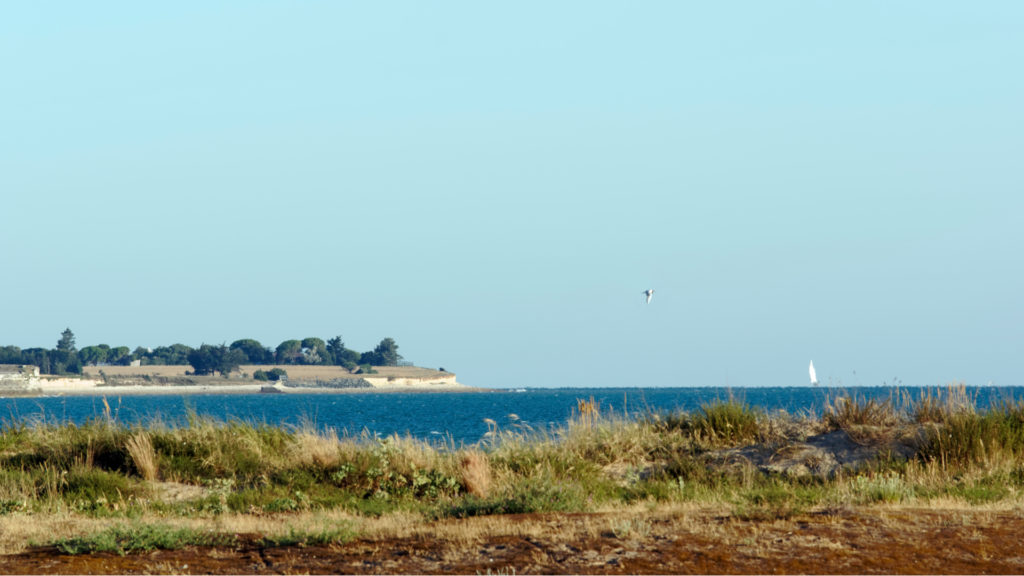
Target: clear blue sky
{"points": [[494, 185]]}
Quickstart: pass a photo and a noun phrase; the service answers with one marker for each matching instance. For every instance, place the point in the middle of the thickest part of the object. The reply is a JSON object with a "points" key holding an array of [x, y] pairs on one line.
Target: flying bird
{"points": [[648, 294], [814, 375]]}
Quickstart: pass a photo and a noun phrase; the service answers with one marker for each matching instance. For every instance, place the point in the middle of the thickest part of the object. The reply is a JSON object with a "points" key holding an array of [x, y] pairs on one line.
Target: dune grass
{"points": [[599, 460]]}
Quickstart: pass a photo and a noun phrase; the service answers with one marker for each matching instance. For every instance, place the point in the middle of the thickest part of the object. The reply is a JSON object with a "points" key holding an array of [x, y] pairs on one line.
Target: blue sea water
{"points": [[452, 417]]}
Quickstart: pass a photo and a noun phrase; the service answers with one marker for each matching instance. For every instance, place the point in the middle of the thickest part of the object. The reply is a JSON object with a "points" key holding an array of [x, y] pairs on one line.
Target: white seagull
{"points": [[814, 375], [649, 293]]}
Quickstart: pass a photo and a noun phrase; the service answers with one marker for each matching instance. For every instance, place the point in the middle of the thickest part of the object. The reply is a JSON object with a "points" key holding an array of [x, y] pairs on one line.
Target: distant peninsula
{"points": [[244, 366], [153, 380]]}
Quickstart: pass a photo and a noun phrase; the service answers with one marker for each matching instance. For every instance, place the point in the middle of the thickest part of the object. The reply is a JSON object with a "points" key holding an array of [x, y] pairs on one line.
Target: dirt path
{"points": [[853, 542]]}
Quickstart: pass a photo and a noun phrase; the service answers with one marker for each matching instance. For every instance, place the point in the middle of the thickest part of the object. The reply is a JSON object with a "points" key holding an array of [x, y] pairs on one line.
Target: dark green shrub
{"points": [[272, 375]]}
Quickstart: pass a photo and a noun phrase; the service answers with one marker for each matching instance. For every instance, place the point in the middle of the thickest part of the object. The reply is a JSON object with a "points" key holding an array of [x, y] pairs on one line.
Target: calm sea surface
{"points": [[456, 417]]}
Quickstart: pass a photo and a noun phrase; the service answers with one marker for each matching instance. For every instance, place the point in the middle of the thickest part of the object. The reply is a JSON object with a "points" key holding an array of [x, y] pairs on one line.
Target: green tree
{"points": [[314, 351], [385, 354], [289, 352], [94, 355], [229, 360], [143, 355], [210, 359], [336, 348], [120, 356], [173, 355], [10, 355], [255, 353], [37, 357], [67, 341], [203, 360], [340, 355], [64, 358]]}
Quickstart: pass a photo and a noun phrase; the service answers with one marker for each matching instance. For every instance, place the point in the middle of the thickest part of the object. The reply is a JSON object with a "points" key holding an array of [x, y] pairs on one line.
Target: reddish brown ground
{"points": [[861, 542]]}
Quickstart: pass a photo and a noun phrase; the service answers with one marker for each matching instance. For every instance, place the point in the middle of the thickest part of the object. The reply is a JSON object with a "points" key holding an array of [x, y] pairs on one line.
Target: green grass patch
{"points": [[979, 494], [727, 422], [125, 539], [531, 497]]}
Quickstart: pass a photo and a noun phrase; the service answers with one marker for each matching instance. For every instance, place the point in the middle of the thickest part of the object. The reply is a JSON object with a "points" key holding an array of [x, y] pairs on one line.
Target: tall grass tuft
{"points": [[937, 405], [727, 422], [312, 449], [476, 473], [867, 421], [142, 454], [723, 422], [588, 412], [993, 440]]}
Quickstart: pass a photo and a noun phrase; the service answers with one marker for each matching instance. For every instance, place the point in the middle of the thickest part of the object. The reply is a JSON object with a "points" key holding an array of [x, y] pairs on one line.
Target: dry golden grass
{"points": [[317, 449], [476, 473], [867, 421], [938, 404], [471, 531], [409, 451], [140, 449], [588, 412], [18, 531]]}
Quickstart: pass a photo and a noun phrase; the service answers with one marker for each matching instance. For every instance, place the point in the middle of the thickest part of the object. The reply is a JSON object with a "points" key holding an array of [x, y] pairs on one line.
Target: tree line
{"points": [[65, 358]]}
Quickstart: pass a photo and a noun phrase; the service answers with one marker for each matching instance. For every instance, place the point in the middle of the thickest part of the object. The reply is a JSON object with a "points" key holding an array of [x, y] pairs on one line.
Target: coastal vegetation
{"points": [[157, 486], [207, 359]]}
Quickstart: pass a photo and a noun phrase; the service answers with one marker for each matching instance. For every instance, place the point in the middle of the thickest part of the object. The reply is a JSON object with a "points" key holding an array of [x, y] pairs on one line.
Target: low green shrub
{"points": [[530, 497], [95, 485], [727, 422], [967, 439], [723, 422], [888, 488], [979, 493], [142, 537]]}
